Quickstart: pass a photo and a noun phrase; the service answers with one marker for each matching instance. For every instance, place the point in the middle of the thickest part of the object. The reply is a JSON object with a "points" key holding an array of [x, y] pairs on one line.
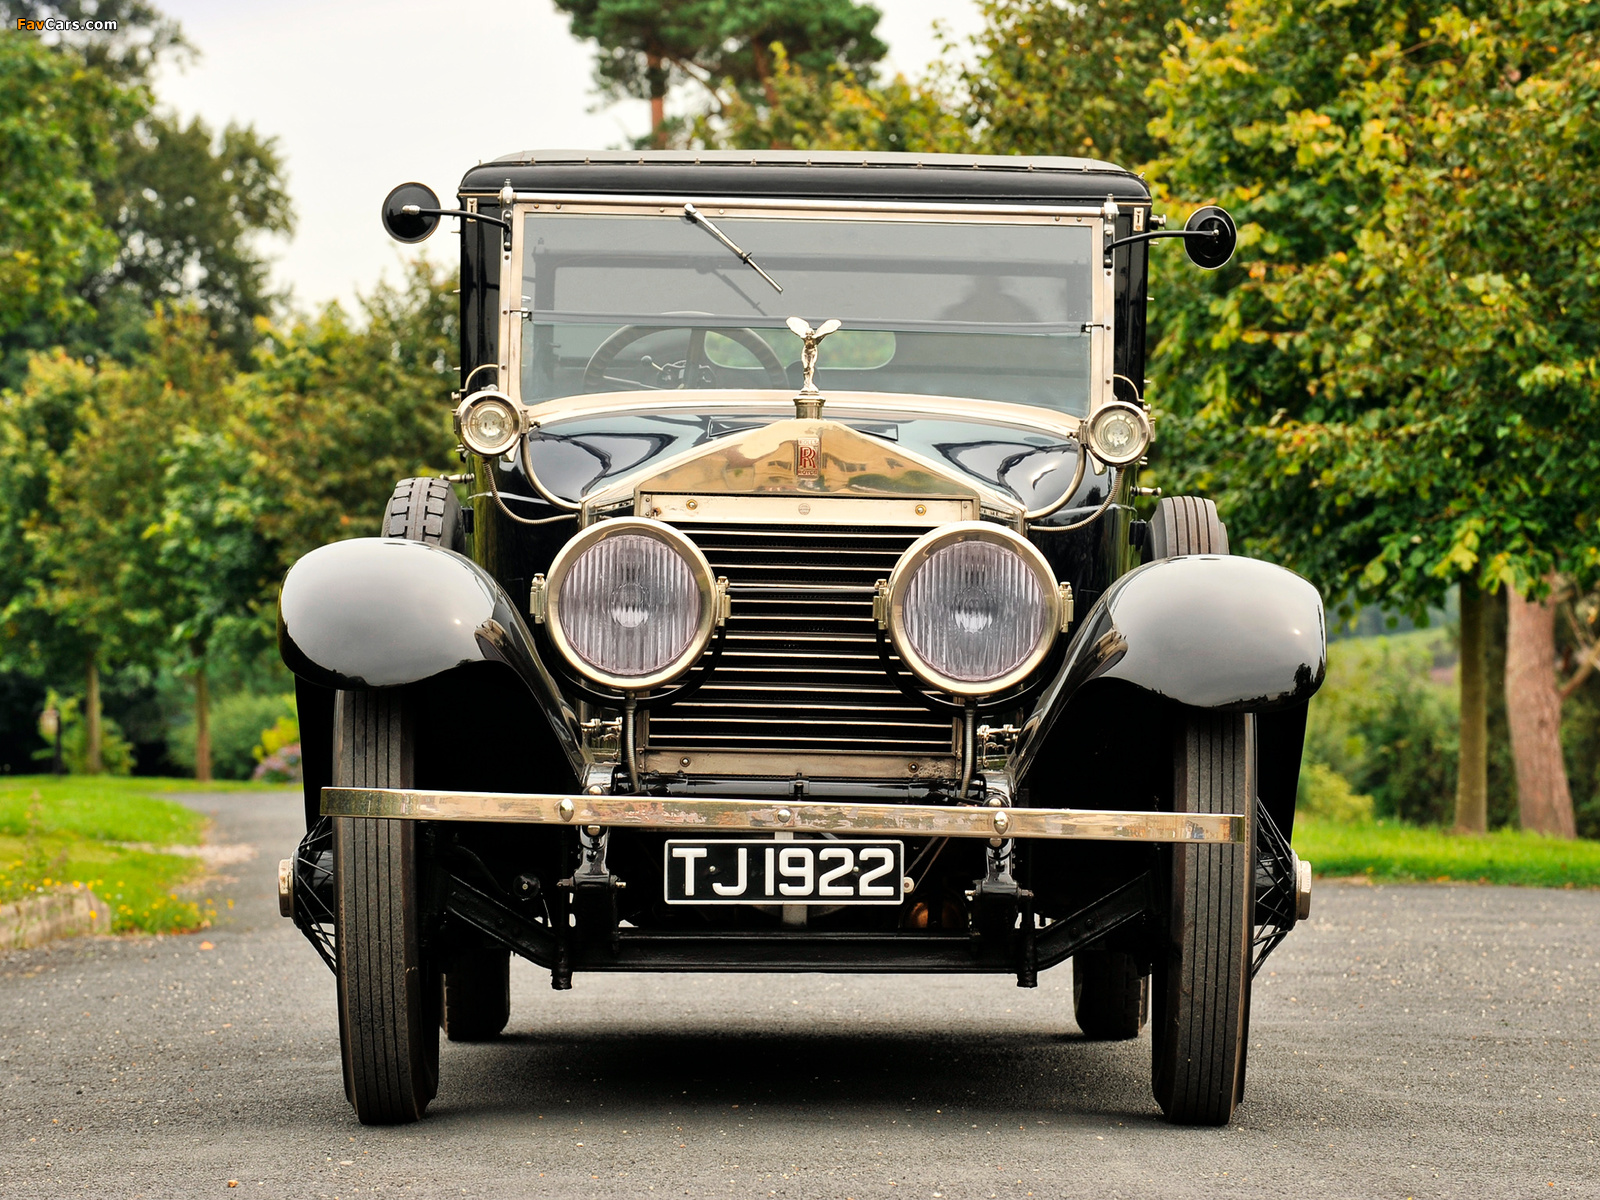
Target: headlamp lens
{"points": [[1118, 435], [629, 606], [974, 611], [490, 427]]}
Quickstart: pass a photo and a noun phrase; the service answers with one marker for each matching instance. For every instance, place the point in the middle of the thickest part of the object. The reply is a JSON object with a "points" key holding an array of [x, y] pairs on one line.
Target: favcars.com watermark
{"points": [[57, 25]]}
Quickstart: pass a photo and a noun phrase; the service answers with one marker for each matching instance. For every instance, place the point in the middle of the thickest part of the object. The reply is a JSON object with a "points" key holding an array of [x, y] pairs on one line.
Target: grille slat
{"points": [[800, 671]]}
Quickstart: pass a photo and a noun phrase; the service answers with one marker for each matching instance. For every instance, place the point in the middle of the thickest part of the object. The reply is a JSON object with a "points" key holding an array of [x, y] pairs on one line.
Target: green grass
{"points": [[76, 831], [1389, 850]]}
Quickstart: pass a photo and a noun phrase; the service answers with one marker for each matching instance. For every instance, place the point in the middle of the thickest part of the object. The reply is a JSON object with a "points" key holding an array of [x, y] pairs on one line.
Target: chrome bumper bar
{"points": [[690, 815]]}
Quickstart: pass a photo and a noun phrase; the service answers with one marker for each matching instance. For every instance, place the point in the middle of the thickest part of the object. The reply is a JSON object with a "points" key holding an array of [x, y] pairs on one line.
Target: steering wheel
{"points": [[685, 374]]}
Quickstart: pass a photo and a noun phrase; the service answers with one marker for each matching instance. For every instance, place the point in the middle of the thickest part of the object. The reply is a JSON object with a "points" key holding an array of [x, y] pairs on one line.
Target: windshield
{"points": [[948, 308]]}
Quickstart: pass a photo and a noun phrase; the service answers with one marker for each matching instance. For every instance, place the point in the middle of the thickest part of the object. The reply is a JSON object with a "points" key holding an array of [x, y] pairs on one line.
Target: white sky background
{"points": [[365, 94]]}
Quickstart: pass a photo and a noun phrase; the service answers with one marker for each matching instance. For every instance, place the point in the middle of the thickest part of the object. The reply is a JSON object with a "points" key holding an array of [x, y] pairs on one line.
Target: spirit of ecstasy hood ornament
{"points": [[809, 402]]}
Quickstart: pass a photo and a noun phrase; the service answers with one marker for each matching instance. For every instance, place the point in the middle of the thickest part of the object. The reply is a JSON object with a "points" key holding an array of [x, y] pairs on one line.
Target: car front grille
{"points": [[800, 674]]}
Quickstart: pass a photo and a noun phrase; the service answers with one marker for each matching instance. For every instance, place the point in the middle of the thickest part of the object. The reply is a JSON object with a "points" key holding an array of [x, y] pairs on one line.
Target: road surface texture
{"points": [[1408, 1041]]}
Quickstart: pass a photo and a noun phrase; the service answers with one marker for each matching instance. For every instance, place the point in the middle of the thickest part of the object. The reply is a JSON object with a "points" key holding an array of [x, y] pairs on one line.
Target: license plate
{"points": [[770, 872]]}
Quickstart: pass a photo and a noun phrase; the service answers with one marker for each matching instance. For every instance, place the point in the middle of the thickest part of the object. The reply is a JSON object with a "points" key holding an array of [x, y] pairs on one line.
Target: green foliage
{"points": [[837, 110], [337, 412], [645, 46], [58, 122], [1384, 726], [1326, 795], [1388, 850], [1051, 78], [116, 755], [237, 725], [1394, 171], [187, 207]]}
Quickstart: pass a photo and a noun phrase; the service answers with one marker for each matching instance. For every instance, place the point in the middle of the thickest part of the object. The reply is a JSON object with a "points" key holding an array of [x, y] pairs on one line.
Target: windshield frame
{"points": [[1100, 221]]}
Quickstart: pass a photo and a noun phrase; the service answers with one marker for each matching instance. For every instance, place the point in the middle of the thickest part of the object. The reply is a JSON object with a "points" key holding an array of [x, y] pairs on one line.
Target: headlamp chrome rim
{"points": [[705, 584], [517, 427], [1095, 442], [924, 548]]}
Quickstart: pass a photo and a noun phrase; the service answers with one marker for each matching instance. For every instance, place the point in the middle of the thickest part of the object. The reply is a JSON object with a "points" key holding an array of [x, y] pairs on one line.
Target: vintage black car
{"points": [[793, 612]]}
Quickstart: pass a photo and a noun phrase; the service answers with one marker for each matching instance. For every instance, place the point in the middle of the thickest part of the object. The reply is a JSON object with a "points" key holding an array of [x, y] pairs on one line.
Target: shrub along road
{"points": [[1409, 1041]]}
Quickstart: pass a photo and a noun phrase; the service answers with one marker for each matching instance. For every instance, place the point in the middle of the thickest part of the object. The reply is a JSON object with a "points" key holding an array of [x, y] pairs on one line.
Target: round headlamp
{"points": [[630, 603], [973, 608], [489, 423], [1119, 433]]}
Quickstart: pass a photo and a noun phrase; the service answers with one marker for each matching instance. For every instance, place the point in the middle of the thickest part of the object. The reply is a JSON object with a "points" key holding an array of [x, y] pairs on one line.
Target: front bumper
{"points": [[722, 815]]}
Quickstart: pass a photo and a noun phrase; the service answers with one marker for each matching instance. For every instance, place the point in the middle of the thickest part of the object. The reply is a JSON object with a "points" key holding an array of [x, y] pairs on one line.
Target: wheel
{"points": [[1201, 988], [1110, 995], [426, 510], [477, 995], [1185, 525], [388, 996], [685, 374]]}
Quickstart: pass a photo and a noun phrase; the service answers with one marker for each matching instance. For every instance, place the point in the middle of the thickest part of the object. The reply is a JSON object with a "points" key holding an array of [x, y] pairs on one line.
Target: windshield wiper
{"points": [[694, 214]]}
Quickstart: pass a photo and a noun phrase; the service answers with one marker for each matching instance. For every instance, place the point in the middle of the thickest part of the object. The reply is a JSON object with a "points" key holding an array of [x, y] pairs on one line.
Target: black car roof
{"points": [[833, 175]]}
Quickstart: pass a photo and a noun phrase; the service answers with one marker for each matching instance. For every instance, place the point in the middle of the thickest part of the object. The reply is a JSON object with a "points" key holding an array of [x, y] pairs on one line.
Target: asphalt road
{"points": [[1408, 1041]]}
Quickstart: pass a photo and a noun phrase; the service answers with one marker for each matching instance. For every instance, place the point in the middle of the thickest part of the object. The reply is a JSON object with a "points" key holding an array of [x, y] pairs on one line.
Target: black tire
{"points": [[1185, 525], [426, 510], [1110, 995], [1201, 988], [388, 996], [477, 995]]}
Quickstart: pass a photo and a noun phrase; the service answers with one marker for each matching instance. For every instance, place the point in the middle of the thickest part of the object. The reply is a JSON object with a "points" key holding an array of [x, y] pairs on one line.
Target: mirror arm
{"points": [[1161, 233], [414, 210]]}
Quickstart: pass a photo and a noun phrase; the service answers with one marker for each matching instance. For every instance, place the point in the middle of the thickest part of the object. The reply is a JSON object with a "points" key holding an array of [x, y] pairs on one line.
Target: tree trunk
{"points": [[1533, 710], [93, 756], [658, 102], [1472, 778], [202, 726]]}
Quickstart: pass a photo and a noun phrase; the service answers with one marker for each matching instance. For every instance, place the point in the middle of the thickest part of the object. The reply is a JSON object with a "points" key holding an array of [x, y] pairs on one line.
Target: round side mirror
{"points": [[410, 226], [1210, 252]]}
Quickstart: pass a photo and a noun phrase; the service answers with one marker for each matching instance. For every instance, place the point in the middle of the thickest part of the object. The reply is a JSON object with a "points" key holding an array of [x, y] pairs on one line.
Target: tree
{"points": [[647, 46], [336, 413], [1403, 386], [107, 207], [187, 208], [1052, 78], [58, 120]]}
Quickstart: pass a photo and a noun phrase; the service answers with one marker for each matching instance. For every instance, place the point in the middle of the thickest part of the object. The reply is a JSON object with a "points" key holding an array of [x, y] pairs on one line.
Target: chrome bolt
{"points": [[692, 504], [594, 789], [1002, 822], [683, 762], [566, 809], [784, 816], [922, 510], [592, 830]]}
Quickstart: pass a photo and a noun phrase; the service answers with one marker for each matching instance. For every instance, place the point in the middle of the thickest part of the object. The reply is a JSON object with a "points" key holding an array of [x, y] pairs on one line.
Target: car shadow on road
{"points": [[1002, 1073]]}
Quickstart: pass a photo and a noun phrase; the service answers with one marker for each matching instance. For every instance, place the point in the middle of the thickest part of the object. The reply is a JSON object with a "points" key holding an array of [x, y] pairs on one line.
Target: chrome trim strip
{"points": [[600, 202], [723, 815], [842, 405]]}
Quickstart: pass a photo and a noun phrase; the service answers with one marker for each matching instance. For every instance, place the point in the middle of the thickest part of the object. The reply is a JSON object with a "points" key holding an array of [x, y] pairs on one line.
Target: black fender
{"points": [[1203, 631], [389, 612]]}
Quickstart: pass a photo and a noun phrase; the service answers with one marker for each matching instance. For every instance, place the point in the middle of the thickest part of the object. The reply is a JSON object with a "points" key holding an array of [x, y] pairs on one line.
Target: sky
{"points": [[365, 94]]}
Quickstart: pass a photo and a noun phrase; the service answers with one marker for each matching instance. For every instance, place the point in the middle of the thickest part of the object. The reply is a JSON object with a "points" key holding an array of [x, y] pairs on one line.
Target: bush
{"points": [[278, 755], [1384, 725], [1327, 795], [116, 755], [237, 723]]}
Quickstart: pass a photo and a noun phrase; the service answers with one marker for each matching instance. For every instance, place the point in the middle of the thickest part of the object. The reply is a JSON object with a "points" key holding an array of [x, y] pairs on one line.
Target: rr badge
{"points": [[805, 457]]}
